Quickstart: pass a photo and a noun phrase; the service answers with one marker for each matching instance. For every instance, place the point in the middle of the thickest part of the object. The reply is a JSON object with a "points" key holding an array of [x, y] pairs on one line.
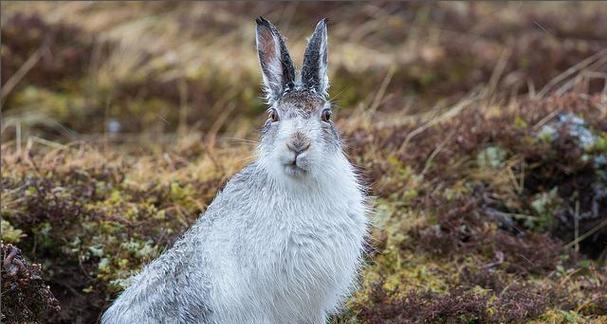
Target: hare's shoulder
{"points": [[240, 189], [243, 183], [249, 179]]}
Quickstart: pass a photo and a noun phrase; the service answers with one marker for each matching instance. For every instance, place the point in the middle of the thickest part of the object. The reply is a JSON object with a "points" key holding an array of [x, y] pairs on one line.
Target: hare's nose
{"points": [[299, 143], [298, 147]]}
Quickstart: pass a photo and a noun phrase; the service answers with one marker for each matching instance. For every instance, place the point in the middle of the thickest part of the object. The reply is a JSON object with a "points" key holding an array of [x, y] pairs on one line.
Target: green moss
{"points": [[183, 195], [544, 204], [560, 316], [491, 157], [11, 234]]}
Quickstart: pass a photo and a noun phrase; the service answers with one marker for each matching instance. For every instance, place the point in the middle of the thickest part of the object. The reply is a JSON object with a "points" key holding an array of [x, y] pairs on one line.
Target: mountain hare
{"points": [[283, 241]]}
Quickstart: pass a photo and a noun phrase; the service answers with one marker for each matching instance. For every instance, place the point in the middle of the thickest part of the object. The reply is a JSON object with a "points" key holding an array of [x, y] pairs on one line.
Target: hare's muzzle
{"points": [[297, 147], [298, 143]]}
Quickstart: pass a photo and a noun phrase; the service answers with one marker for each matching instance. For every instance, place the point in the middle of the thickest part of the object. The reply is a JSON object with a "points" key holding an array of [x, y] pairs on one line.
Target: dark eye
{"points": [[326, 115], [273, 115]]}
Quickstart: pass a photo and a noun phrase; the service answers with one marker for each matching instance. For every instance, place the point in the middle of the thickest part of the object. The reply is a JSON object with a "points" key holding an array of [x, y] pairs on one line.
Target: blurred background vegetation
{"points": [[480, 129]]}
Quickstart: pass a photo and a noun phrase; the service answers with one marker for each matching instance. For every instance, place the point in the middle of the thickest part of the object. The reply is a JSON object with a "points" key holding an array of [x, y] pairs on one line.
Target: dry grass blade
{"points": [[20, 74], [448, 114], [571, 72]]}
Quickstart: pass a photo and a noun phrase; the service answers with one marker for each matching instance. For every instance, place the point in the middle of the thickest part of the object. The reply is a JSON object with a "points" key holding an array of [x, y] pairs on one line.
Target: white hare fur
{"points": [[282, 243]]}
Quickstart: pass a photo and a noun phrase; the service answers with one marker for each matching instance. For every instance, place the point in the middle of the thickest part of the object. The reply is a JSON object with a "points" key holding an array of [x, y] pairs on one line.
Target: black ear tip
{"points": [[321, 25], [261, 21]]}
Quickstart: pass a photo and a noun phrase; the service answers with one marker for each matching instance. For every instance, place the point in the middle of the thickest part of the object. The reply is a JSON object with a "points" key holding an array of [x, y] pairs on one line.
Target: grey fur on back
{"points": [[282, 243]]}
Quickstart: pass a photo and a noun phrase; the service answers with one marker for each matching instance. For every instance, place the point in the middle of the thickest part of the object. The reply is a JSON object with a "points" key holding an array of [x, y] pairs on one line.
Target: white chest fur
{"points": [[299, 251]]}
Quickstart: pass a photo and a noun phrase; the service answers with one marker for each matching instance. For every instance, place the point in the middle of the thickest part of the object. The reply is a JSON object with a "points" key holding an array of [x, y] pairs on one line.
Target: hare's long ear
{"points": [[314, 71], [276, 65]]}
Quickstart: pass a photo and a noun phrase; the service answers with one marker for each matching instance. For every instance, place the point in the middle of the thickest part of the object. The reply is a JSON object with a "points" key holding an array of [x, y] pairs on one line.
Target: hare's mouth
{"points": [[295, 170], [296, 165]]}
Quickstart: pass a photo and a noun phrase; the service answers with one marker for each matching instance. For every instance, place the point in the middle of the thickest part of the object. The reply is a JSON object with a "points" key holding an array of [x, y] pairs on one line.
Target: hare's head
{"points": [[299, 137]]}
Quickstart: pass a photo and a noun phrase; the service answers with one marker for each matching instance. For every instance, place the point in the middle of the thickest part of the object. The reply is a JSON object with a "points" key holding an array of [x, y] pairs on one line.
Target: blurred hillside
{"points": [[156, 67], [480, 128]]}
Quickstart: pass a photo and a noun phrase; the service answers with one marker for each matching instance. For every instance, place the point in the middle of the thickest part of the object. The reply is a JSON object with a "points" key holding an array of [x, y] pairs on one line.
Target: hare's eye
{"points": [[273, 115], [326, 115]]}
